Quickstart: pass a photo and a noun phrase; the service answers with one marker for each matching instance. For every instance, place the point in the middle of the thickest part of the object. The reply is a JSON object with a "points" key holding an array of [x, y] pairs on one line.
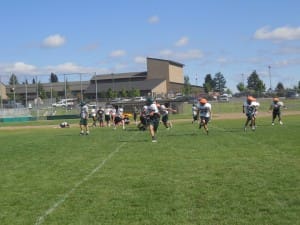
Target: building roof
{"points": [[169, 61], [119, 86], [56, 86], [111, 76]]}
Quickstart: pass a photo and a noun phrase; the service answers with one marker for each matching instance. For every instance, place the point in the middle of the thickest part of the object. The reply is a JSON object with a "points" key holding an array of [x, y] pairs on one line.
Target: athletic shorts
{"points": [[206, 119], [83, 122]]}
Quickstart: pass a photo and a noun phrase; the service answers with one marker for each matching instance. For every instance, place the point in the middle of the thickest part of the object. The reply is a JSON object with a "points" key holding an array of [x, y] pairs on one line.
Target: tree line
{"points": [[253, 86]]}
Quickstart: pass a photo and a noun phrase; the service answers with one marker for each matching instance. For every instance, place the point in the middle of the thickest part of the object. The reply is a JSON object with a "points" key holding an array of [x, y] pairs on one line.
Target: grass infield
{"points": [[54, 176]]}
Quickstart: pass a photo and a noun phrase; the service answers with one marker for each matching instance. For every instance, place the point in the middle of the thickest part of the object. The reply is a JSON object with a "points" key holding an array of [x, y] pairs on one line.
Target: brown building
{"points": [[163, 78]]}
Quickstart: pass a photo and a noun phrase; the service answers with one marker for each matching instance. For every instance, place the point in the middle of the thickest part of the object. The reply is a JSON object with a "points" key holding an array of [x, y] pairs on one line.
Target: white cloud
{"points": [[67, 67], [19, 68], [166, 53], [117, 53], [70, 67], [153, 19], [182, 41], [190, 54], [53, 41], [140, 60], [187, 55], [287, 62], [223, 60], [280, 33]]}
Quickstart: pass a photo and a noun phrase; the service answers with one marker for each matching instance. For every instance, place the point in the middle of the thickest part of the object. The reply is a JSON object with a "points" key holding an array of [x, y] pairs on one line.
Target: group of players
{"points": [[153, 113], [249, 108], [149, 117]]}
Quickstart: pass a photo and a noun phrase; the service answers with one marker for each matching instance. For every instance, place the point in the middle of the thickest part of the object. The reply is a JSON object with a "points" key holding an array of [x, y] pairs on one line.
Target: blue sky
{"points": [[233, 37]]}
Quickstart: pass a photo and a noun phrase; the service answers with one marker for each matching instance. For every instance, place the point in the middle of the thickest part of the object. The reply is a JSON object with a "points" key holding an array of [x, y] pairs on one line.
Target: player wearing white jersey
{"points": [[194, 113], [164, 112], [94, 115], [84, 115], [118, 117], [276, 106], [107, 115], [250, 109], [204, 113], [153, 117]]}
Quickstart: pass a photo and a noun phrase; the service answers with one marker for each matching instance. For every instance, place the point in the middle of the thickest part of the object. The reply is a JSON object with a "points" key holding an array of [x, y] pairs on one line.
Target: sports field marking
{"points": [[41, 219]]}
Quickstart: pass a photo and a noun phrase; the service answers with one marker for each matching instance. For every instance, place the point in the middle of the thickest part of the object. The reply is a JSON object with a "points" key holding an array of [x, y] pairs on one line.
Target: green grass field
{"points": [[54, 176]]}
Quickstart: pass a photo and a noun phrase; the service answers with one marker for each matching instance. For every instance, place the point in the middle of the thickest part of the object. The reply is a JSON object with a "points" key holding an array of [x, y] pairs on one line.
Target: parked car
{"points": [[64, 103], [224, 98], [292, 94], [116, 100], [139, 99]]}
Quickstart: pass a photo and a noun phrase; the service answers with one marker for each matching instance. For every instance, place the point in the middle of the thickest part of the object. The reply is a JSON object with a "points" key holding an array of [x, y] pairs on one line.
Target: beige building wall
{"points": [[163, 69], [157, 69], [160, 89], [3, 92], [176, 74], [175, 88]]}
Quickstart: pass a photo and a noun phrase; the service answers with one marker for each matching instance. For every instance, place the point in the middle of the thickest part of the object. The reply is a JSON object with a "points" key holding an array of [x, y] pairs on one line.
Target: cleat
{"points": [[154, 139], [281, 123], [272, 124]]}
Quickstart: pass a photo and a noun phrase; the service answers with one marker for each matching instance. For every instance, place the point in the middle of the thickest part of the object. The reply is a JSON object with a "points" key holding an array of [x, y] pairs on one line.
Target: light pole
{"points": [[96, 83], [14, 90], [26, 105], [1, 101], [81, 94], [66, 101], [113, 82], [37, 97], [243, 81], [269, 67]]}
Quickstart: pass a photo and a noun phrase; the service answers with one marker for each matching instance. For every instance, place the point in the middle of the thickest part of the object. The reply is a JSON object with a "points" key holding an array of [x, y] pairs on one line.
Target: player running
{"points": [[204, 113], [194, 113], [118, 117], [164, 112], [153, 117]]}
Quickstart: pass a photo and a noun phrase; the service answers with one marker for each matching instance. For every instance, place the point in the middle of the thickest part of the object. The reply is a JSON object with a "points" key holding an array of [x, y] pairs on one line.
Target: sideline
{"points": [[41, 219]]}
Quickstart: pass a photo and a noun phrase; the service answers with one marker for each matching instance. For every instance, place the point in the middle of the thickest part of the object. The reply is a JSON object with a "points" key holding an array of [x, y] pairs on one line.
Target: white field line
{"points": [[41, 219]]}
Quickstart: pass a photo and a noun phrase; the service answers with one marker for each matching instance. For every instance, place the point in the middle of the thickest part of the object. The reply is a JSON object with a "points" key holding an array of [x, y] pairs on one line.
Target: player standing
{"points": [[84, 115], [250, 110], [276, 106]]}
